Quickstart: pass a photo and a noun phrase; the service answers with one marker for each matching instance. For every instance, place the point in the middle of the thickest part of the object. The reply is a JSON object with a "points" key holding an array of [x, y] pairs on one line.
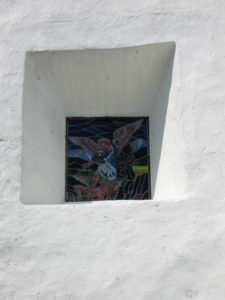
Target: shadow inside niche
{"points": [[129, 81]]}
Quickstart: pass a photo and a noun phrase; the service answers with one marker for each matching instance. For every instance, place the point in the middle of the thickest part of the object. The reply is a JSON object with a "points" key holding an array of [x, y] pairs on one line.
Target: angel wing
{"points": [[80, 153], [123, 134], [86, 143]]}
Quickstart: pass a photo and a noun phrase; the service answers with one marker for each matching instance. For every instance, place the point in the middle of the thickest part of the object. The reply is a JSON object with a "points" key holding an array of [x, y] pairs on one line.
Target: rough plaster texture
{"points": [[156, 249]]}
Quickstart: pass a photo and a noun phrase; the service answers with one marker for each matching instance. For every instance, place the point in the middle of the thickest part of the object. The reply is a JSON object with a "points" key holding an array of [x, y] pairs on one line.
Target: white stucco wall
{"points": [[158, 249]]}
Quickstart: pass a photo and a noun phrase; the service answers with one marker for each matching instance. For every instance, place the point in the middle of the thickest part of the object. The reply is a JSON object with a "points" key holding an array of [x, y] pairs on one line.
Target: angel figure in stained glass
{"points": [[113, 158]]}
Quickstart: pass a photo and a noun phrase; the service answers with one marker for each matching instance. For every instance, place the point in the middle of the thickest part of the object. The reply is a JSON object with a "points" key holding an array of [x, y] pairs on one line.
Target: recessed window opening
{"points": [[118, 89]]}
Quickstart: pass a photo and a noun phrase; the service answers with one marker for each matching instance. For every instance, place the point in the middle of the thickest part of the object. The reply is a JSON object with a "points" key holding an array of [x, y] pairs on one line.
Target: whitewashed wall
{"points": [[156, 249]]}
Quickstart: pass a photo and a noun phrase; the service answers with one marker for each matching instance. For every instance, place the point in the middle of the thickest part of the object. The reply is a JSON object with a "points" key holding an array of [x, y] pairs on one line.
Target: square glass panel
{"points": [[107, 158]]}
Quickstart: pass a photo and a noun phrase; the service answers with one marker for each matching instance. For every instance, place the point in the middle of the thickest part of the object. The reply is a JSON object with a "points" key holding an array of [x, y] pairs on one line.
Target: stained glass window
{"points": [[107, 158]]}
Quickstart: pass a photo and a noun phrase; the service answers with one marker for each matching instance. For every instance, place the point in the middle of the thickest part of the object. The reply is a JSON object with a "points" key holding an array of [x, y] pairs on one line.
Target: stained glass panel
{"points": [[107, 158]]}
